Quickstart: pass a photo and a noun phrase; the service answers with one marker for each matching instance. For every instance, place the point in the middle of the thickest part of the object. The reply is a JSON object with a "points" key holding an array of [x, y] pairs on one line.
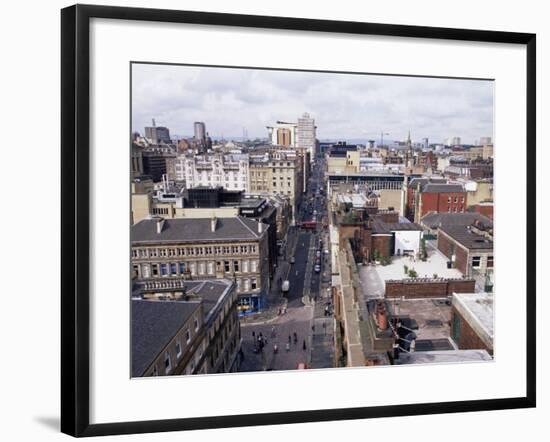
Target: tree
{"points": [[412, 273], [406, 268]]}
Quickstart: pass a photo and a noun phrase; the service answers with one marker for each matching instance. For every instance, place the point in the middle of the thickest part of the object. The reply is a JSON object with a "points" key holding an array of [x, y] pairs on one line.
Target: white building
{"points": [[305, 134], [283, 134], [213, 170]]}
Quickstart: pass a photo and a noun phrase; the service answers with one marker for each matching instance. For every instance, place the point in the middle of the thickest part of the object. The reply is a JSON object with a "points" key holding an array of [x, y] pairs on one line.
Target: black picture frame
{"points": [[75, 225]]}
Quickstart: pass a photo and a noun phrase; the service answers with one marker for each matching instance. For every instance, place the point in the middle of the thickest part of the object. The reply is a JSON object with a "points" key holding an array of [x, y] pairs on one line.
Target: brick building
{"points": [[472, 321], [469, 248]]}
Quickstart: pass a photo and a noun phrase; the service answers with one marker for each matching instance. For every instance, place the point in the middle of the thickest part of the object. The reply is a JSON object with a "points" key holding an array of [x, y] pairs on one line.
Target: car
{"points": [[326, 252], [286, 286], [317, 268], [291, 260], [318, 254]]}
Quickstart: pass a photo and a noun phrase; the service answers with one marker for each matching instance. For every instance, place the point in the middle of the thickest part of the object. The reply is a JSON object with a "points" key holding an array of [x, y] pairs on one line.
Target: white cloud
{"points": [[344, 105]]}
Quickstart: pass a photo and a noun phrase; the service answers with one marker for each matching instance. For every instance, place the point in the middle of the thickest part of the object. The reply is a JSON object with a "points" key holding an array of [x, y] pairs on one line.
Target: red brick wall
{"points": [[461, 261], [486, 210], [388, 217], [439, 202], [444, 244], [382, 244], [428, 288], [468, 339]]}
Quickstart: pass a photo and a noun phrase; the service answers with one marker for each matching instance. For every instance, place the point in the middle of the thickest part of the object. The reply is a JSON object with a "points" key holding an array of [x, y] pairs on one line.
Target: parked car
{"points": [[291, 260], [286, 286], [318, 254], [317, 268]]}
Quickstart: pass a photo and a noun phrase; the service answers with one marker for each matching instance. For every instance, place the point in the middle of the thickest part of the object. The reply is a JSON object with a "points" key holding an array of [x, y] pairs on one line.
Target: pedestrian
{"points": [[273, 331], [304, 345], [295, 338], [288, 346], [289, 339], [253, 336]]}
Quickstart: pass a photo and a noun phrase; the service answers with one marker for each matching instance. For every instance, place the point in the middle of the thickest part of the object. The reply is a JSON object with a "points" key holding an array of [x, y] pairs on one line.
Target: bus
{"points": [[309, 225]]}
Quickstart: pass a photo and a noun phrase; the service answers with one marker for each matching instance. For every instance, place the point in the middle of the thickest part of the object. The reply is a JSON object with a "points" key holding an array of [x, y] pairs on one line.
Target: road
{"points": [[308, 311]]}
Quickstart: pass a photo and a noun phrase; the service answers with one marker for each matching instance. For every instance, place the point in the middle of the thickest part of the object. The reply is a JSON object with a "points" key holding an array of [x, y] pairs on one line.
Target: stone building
{"points": [[191, 329], [175, 250]]}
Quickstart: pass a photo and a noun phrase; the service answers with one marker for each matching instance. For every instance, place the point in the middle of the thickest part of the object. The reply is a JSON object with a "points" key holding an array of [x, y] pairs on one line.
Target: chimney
{"points": [[160, 224], [213, 222], [260, 227], [381, 318]]}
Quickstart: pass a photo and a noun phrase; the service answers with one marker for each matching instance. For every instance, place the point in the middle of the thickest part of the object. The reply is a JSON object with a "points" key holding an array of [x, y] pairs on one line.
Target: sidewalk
{"points": [[275, 300]]}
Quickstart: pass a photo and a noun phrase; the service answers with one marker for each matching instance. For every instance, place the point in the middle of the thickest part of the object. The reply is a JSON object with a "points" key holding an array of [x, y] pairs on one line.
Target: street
{"points": [[268, 343]]}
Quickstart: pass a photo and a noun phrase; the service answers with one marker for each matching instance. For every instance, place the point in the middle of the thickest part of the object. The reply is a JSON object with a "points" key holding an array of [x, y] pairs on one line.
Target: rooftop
{"points": [[436, 187], [373, 277], [434, 220], [443, 357], [467, 237], [198, 229], [477, 310], [154, 324]]}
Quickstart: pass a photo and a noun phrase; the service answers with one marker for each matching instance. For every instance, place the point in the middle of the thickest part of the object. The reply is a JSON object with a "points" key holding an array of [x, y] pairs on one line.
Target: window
{"points": [[146, 271], [490, 262], [173, 267], [167, 363], [163, 269], [476, 261], [178, 349], [236, 266], [210, 268], [134, 253], [155, 268], [182, 267], [226, 266], [187, 336], [253, 265], [253, 284]]}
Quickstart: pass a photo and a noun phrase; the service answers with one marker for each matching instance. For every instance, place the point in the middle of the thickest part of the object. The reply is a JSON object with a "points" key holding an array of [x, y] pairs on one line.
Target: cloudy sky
{"points": [[344, 106]]}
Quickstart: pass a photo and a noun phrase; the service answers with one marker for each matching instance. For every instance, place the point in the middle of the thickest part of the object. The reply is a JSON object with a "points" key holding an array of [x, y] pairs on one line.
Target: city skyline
{"points": [[345, 106]]}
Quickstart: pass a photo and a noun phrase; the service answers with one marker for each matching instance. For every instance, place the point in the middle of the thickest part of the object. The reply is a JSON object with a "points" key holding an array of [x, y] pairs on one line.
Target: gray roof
{"points": [[423, 181], [467, 237], [183, 229], [434, 220], [381, 227], [210, 292], [431, 187], [154, 324]]}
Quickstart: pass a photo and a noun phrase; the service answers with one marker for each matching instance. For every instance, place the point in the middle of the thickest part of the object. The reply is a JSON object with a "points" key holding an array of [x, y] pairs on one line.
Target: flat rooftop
{"points": [[477, 309], [373, 277], [443, 357], [429, 318]]}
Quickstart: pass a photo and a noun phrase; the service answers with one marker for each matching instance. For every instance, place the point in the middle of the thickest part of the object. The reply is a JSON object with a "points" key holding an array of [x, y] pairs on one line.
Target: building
{"points": [[199, 130], [176, 250], [136, 169], [279, 172], [472, 321], [427, 196], [433, 221], [157, 134], [190, 330], [283, 134], [229, 171], [305, 134], [470, 250]]}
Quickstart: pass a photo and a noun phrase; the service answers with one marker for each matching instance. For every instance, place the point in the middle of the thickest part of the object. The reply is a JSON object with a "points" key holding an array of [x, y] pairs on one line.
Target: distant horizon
{"points": [[344, 106]]}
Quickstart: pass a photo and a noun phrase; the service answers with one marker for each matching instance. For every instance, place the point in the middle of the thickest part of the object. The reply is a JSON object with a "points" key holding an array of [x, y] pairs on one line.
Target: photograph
{"points": [[302, 220]]}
